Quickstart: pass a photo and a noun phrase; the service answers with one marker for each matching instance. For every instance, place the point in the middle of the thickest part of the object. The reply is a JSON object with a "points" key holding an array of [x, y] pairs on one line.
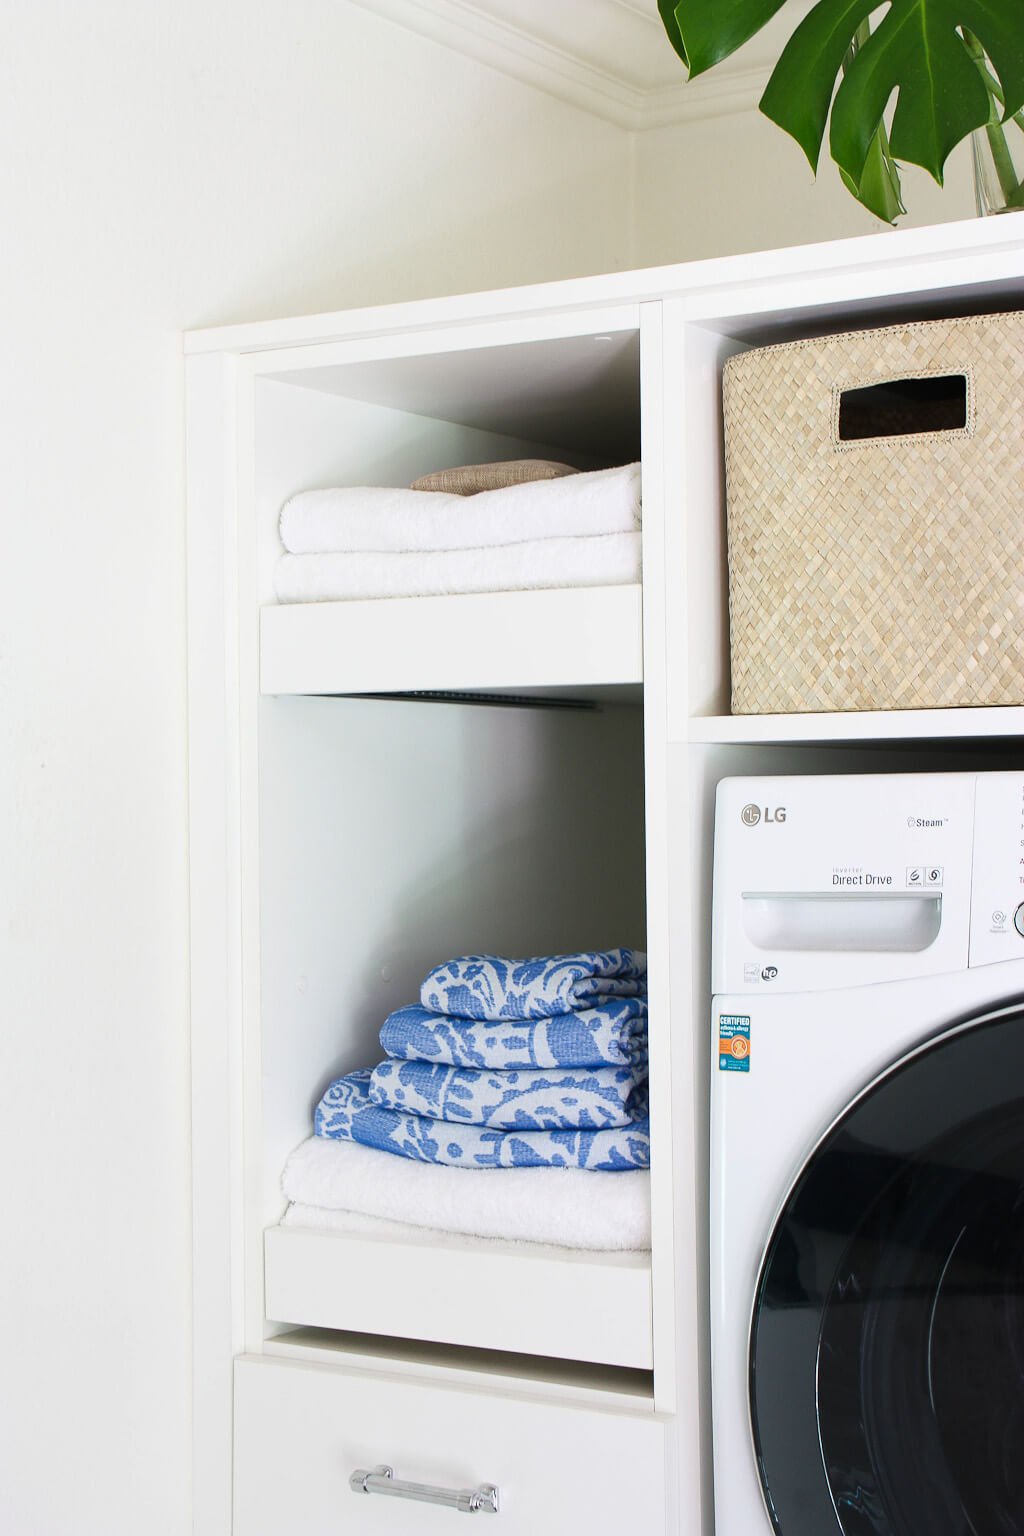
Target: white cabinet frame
{"points": [[689, 317]]}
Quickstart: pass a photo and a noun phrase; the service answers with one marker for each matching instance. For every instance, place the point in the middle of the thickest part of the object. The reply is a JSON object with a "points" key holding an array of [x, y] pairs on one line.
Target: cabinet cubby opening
{"points": [[719, 326], [387, 420], [395, 834]]}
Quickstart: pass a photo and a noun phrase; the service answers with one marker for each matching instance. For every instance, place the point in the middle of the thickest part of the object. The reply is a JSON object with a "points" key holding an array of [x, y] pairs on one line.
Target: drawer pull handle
{"points": [[470, 1501]]}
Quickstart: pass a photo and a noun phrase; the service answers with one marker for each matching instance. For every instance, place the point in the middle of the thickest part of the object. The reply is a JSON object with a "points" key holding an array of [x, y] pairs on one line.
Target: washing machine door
{"points": [[887, 1343]]}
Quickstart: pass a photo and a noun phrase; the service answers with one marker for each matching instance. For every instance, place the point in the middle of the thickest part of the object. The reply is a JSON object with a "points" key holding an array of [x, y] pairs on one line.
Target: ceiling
{"points": [[610, 57]]}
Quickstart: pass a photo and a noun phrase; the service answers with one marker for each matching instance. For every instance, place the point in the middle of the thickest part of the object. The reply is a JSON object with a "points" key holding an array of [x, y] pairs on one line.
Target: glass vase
{"points": [[998, 153]]}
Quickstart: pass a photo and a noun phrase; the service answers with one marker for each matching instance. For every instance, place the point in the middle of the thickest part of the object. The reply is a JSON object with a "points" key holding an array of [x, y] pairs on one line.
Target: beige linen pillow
{"points": [[469, 479]]}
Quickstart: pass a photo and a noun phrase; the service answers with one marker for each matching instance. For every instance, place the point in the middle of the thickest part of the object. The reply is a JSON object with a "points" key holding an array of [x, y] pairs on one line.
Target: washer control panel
{"points": [[997, 887], [822, 883]]}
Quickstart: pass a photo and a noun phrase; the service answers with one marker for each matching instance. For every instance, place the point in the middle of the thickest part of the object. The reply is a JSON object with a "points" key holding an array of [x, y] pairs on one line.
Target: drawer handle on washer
{"points": [[471, 1501]]}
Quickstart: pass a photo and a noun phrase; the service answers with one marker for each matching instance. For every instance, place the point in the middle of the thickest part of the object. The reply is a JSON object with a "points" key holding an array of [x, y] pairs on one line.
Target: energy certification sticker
{"points": [[734, 1042]]}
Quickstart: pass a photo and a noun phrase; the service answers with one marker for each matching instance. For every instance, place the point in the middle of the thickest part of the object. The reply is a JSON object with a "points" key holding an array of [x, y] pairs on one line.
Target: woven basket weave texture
{"points": [[885, 573]]}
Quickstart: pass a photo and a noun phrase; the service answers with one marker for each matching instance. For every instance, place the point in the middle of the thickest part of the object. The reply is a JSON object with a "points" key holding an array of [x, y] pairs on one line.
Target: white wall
{"points": [[737, 183], [168, 164]]}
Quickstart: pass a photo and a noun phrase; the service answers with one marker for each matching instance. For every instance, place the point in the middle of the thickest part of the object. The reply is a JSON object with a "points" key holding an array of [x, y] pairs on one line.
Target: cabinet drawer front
{"points": [[302, 1430], [579, 1307]]}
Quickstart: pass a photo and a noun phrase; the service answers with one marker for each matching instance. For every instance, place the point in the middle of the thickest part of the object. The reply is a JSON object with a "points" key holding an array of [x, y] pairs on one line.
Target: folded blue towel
{"points": [[613, 1034], [346, 1113], [578, 1098], [487, 987]]}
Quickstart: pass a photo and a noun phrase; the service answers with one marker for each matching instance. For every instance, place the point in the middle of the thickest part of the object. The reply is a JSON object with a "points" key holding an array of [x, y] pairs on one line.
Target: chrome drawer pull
{"points": [[471, 1501]]}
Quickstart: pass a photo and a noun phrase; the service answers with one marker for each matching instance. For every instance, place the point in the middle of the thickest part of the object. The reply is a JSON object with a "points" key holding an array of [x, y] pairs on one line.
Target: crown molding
{"points": [[730, 89], [462, 26]]}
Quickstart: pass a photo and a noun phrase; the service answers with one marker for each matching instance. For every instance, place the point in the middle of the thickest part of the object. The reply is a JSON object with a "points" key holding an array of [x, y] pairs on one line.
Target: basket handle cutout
{"points": [[903, 407]]}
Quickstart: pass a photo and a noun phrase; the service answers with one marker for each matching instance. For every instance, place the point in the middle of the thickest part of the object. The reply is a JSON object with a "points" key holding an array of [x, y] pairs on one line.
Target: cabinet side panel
{"points": [[214, 930]]}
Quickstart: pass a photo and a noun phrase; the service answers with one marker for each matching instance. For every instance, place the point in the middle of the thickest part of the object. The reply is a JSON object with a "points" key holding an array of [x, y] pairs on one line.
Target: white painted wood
{"points": [[493, 1296], [243, 711], [464, 334], [302, 1430], [859, 726], [700, 566], [767, 307], [696, 568], [214, 934], [558, 639], [693, 581], [663, 1121], [569, 302], [676, 1124]]}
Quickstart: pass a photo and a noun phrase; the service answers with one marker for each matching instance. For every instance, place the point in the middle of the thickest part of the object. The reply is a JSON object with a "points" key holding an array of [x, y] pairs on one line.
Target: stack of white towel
{"points": [[340, 1186], [353, 542]]}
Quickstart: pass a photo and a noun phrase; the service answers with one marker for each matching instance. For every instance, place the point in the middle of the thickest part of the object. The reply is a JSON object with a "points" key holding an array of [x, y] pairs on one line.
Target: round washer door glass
{"points": [[887, 1346]]}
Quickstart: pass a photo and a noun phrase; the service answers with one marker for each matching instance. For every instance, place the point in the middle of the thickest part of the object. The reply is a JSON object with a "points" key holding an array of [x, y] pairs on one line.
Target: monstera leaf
{"points": [[705, 34], [943, 60]]}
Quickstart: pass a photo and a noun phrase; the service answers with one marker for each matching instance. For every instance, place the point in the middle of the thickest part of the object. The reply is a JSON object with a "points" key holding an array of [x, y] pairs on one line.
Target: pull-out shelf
{"points": [[562, 639], [555, 1302]]}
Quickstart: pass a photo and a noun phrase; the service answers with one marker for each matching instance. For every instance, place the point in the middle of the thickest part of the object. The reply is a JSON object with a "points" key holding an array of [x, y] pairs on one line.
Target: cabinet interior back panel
{"points": [[397, 834]]}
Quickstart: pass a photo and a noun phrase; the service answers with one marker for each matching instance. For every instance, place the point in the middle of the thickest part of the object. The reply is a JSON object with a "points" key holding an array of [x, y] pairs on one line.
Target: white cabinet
{"points": [[302, 1430], [375, 785]]}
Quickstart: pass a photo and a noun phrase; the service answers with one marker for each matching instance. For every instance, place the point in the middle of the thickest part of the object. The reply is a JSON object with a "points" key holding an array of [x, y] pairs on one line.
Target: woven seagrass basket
{"points": [[875, 499]]}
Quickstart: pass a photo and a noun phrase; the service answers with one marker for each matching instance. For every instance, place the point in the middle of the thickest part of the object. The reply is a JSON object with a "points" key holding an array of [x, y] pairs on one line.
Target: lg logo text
{"points": [[752, 814]]}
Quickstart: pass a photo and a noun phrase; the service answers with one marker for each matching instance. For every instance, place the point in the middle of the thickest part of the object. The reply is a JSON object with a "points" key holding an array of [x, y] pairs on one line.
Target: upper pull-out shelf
{"points": [[571, 641]]}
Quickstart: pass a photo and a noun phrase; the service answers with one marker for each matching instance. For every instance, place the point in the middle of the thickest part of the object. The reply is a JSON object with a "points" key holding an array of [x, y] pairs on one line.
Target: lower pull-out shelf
{"points": [[569, 1304], [302, 1431]]}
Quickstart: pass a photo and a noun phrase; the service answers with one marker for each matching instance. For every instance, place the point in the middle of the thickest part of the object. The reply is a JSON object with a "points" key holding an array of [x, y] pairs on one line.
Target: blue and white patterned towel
{"points": [[613, 1034], [488, 987], [580, 1098], [346, 1113]]}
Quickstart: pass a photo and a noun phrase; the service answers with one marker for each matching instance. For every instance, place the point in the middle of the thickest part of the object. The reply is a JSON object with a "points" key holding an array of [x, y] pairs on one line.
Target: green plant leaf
{"points": [[667, 12], [999, 26], [918, 53], [879, 188], [944, 61], [799, 92], [709, 30]]}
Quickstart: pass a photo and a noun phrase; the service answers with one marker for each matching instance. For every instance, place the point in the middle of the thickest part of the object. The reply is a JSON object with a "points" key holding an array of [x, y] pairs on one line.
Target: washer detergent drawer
{"points": [[302, 1430]]}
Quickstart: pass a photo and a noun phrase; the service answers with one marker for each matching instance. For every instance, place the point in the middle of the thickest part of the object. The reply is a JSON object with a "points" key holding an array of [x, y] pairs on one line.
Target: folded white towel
{"points": [[566, 1207], [608, 560], [318, 1218], [389, 519]]}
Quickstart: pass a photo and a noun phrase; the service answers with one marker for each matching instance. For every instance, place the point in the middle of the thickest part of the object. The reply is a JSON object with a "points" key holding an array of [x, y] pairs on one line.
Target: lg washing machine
{"points": [[867, 1197]]}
